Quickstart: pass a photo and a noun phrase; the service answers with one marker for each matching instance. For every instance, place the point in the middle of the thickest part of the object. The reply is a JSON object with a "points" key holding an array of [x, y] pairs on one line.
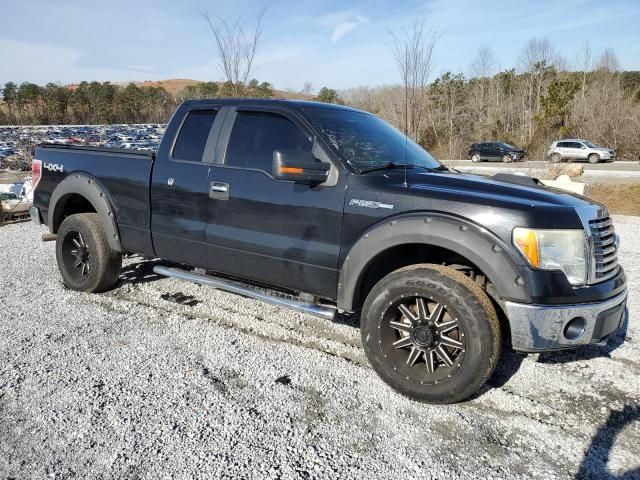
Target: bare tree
{"points": [[413, 52], [484, 63], [537, 59], [608, 61], [307, 88], [584, 64], [482, 68], [237, 46]]}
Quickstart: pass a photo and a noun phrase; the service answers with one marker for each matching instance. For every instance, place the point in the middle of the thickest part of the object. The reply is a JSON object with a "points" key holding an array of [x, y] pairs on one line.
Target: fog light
{"points": [[574, 329]]}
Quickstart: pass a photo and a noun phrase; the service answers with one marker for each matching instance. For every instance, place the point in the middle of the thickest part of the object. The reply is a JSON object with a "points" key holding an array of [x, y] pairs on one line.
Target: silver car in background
{"points": [[579, 150]]}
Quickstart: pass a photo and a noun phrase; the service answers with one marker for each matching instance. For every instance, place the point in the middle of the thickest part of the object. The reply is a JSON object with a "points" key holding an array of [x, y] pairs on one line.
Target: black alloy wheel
{"points": [[423, 338], [76, 255]]}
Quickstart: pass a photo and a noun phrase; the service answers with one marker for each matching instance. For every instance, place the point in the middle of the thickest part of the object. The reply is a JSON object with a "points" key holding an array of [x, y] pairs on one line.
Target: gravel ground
{"points": [[128, 384]]}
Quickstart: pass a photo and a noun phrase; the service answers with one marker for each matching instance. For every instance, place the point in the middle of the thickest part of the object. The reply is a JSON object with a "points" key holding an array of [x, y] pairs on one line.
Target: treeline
{"points": [[529, 107], [105, 102], [86, 103]]}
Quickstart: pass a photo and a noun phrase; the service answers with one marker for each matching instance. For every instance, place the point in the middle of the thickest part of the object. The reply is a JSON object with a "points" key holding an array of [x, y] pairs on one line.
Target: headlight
{"points": [[554, 250]]}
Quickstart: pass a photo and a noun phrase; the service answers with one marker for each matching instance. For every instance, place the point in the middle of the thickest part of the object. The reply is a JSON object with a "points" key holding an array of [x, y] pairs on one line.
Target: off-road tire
{"points": [[103, 263], [555, 158], [594, 158], [465, 300], [475, 158]]}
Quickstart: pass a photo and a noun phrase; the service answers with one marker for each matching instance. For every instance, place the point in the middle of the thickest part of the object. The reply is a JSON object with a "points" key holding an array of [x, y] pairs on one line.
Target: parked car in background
{"points": [[495, 151], [579, 150], [13, 206]]}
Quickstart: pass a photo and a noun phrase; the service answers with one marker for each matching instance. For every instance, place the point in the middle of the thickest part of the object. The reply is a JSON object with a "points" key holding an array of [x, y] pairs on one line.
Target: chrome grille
{"points": [[605, 250]]}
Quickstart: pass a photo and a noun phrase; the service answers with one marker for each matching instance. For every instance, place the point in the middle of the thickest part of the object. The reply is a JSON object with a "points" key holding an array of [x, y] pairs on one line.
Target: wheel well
{"points": [[404, 255], [70, 205]]}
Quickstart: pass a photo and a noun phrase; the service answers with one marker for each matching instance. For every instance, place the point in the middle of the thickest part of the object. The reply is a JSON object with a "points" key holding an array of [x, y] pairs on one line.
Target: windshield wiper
{"points": [[391, 166], [387, 166]]}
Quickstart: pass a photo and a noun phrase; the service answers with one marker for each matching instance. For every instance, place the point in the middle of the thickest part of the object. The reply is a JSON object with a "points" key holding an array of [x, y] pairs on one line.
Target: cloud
{"points": [[347, 26]]}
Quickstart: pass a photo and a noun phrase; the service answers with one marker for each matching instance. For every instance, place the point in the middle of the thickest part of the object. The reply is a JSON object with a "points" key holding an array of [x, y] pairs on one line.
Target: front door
{"points": [[272, 231]]}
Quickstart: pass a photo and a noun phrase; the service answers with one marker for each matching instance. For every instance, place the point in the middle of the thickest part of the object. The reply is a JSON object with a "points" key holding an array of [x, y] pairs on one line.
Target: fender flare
{"points": [[88, 187], [467, 239]]}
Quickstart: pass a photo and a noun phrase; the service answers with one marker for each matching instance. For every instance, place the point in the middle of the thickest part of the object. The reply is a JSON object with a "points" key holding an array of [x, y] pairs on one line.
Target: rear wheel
{"points": [[594, 158], [85, 260], [431, 333], [475, 158]]}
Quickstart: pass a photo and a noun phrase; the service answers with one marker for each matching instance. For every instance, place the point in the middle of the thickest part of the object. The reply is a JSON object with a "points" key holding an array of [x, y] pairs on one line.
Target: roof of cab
{"points": [[282, 103]]}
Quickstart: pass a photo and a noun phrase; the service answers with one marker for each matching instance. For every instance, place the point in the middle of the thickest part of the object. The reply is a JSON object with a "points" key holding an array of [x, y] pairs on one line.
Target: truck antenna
{"points": [[406, 121]]}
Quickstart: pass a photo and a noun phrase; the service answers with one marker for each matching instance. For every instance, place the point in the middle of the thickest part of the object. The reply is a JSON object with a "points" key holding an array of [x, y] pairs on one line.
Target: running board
{"points": [[250, 291]]}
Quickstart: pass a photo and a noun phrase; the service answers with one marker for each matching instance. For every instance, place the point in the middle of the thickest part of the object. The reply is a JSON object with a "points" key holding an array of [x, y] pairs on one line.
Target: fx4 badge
{"points": [[54, 167], [369, 204]]}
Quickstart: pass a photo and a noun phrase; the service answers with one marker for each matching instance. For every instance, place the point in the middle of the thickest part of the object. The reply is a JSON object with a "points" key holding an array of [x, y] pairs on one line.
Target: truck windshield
{"points": [[367, 142]]}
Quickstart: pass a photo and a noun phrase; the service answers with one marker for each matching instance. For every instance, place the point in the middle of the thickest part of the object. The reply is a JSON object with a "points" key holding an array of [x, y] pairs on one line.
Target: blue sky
{"points": [[330, 43]]}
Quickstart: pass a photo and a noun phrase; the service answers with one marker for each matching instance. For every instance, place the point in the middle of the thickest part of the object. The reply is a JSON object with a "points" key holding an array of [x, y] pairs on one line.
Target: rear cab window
{"points": [[194, 133]]}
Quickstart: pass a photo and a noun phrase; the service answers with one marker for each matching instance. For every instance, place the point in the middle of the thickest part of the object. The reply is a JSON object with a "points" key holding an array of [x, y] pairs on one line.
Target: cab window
{"points": [[256, 135], [193, 135]]}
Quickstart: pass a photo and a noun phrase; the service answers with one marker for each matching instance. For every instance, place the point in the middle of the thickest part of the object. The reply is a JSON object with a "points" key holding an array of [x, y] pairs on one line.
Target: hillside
{"points": [[174, 85]]}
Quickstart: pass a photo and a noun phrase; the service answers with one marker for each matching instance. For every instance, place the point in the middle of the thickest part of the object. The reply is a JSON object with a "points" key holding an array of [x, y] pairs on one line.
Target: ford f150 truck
{"points": [[326, 209]]}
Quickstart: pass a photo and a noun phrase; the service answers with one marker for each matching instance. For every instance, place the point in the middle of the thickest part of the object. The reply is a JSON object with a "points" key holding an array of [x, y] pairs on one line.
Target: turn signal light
{"points": [[291, 170], [527, 242]]}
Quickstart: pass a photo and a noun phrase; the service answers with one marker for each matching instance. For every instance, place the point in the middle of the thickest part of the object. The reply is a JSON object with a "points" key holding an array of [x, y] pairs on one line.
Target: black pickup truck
{"points": [[327, 209]]}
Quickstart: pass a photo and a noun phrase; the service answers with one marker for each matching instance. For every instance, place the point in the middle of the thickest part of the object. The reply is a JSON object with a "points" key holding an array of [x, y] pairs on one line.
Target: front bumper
{"points": [[539, 328]]}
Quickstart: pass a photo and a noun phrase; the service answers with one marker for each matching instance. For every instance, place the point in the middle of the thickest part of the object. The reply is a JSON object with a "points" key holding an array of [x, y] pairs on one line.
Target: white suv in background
{"points": [[581, 150]]}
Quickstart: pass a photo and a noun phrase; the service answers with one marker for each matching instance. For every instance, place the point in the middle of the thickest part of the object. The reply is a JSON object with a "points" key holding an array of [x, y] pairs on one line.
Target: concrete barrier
{"points": [[564, 182]]}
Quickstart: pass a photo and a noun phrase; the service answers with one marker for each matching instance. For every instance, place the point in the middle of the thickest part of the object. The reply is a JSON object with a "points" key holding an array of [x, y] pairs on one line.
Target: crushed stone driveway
{"points": [[133, 384]]}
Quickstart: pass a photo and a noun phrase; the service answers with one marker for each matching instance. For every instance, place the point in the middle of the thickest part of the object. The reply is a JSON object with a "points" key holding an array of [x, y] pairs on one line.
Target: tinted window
{"points": [[193, 135], [563, 145], [577, 145], [256, 135], [366, 141]]}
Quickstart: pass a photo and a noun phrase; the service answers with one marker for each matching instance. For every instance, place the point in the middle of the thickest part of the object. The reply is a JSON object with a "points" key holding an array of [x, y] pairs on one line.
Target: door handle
{"points": [[219, 190], [219, 187]]}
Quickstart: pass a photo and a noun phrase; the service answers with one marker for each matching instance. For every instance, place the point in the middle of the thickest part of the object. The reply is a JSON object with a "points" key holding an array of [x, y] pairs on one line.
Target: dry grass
{"points": [[623, 199]]}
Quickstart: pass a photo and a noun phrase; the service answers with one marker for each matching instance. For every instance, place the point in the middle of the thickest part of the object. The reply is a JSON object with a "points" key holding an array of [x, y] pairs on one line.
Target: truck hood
{"points": [[510, 189], [497, 203]]}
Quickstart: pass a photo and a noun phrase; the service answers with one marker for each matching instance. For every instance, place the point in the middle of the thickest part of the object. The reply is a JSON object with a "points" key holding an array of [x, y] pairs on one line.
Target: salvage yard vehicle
{"points": [[579, 150], [13, 206], [327, 209], [495, 151]]}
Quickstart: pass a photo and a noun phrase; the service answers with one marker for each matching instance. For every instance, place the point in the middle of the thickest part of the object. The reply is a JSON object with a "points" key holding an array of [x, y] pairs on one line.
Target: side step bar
{"points": [[231, 286]]}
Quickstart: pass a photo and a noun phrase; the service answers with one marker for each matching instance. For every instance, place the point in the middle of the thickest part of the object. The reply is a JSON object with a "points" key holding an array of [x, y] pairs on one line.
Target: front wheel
{"points": [[475, 158], [85, 260], [594, 158], [431, 333], [555, 158], [506, 158]]}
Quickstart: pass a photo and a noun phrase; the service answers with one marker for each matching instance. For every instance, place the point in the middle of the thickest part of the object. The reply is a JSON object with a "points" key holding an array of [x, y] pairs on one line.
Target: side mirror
{"points": [[300, 167]]}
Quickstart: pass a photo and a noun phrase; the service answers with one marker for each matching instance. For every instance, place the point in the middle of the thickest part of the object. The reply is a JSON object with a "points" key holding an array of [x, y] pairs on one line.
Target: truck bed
{"points": [[88, 148], [123, 173]]}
